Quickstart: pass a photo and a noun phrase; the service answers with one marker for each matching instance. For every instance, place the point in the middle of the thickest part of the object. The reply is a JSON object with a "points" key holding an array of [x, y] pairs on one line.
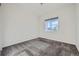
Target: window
{"points": [[51, 24]]}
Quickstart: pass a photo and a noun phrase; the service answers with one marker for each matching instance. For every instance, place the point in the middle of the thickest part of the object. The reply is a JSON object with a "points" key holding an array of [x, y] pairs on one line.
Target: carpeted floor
{"points": [[40, 47]]}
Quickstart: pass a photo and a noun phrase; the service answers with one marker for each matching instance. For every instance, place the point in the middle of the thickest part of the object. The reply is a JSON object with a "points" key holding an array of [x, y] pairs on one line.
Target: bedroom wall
{"points": [[1, 20], [77, 23], [22, 23], [66, 31], [19, 24]]}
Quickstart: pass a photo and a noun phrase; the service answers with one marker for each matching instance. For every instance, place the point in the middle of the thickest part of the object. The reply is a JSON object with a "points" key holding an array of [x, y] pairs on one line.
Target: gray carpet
{"points": [[40, 47]]}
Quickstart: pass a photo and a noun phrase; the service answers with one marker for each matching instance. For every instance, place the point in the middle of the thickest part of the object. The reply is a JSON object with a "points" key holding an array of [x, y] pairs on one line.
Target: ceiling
{"points": [[37, 8]]}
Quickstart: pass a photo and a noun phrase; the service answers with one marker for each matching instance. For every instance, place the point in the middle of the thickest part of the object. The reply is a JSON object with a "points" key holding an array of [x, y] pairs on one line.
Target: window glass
{"points": [[51, 24]]}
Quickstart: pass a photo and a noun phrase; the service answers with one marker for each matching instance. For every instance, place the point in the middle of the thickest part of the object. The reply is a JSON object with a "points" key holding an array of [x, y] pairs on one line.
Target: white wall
{"points": [[77, 23], [1, 28], [19, 24], [22, 23], [66, 32]]}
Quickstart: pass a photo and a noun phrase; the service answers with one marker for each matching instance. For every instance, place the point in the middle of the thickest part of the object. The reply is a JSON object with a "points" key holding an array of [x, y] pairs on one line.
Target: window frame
{"points": [[53, 20]]}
